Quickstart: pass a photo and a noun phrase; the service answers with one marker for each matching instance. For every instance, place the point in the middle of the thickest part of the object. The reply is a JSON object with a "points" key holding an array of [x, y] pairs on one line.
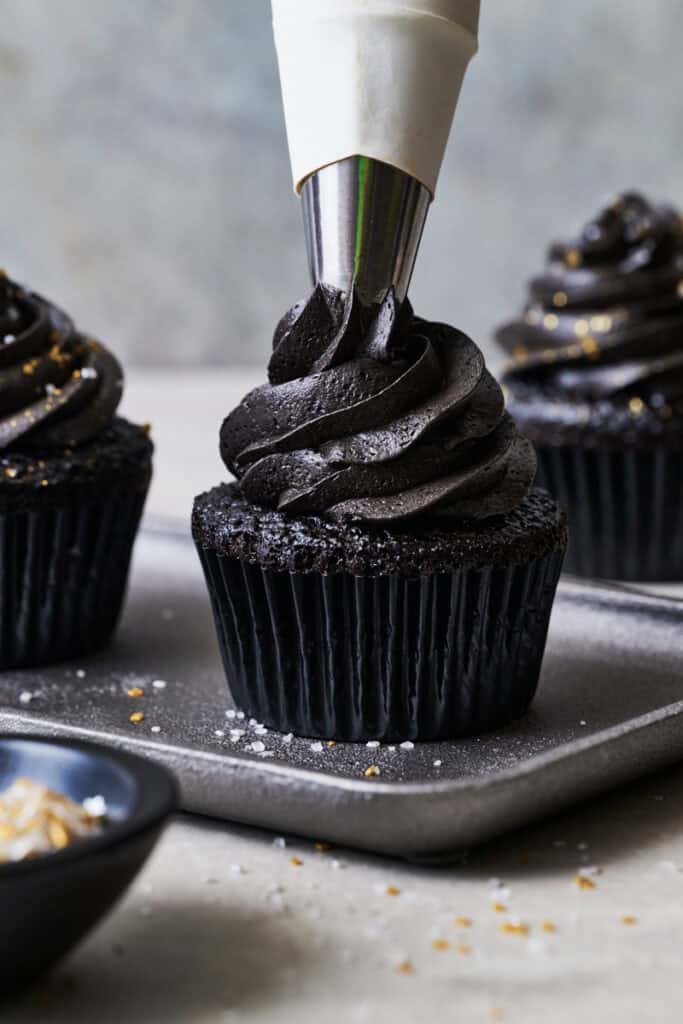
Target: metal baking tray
{"points": [[609, 708]]}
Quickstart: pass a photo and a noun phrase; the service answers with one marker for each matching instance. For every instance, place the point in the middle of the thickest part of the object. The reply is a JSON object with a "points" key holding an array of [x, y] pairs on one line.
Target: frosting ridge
{"points": [[58, 388], [375, 415]]}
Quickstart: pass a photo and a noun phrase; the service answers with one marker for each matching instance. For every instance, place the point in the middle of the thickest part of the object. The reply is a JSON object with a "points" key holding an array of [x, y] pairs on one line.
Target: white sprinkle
{"points": [[89, 372], [591, 871], [267, 753], [80, 672], [316, 747], [159, 684], [499, 894], [280, 842], [392, 749], [240, 715], [260, 730], [338, 865], [407, 745], [237, 869], [95, 805], [8, 338], [219, 733], [372, 743], [50, 389], [167, 614], [252, 722], [237, 734], [156, 728], [257, 746], [25, 697], [230, 713], [288, 738], [437, 763], [583, 722]]}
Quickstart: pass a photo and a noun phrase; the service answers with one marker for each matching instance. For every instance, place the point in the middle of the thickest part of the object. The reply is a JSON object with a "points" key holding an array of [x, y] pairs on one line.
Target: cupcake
{"points": [[381, 568], [73, 480], [596, 382]]}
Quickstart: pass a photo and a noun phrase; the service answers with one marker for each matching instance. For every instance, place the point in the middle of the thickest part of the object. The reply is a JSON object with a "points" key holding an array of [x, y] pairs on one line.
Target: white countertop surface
{"points": [[221, 926]]}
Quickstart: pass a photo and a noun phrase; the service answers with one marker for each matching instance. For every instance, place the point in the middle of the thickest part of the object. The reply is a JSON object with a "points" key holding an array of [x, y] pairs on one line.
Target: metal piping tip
{"points": [[363, 221]]}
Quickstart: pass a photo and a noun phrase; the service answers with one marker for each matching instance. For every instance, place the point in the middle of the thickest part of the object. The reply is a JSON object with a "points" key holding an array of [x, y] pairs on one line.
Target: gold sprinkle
{"points": [[590, 347], [405, 967], [573, 258], [296, 862], [371, 771], [514, 928], [463, 949], [499, 908], [629, 919], [636, 406], [136, 717], [393, 890], [43, 483], [57, 834], [551, 321], [320, 847], [560, 299], [330, 743], [463, 922], [581, 327], [583, 882], [27, 369], [441, 945], [601, 323], [11, 472], [135, 691], [548, 926]]}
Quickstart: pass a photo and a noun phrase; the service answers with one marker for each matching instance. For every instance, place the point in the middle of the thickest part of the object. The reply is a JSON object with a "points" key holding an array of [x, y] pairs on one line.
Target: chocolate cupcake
{"points": [[596, 382], [380, 570], [73, 481]]}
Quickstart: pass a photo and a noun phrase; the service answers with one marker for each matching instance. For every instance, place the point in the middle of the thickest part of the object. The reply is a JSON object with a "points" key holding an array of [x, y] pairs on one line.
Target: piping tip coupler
{"points": [[363, 221]]}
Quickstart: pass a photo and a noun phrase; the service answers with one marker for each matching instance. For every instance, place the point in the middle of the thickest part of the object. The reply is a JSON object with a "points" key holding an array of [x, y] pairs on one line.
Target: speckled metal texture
{"points": [[609, 708]]}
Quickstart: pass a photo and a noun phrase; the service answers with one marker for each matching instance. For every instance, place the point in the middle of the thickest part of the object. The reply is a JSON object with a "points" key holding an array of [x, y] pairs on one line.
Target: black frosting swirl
{"points": [[605, 321], [375, 415], [58, 388]]}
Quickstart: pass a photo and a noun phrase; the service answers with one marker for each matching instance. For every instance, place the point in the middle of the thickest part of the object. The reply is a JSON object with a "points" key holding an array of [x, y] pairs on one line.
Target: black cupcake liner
{"points": [[625, 509], [392, 658], [63, 573]]}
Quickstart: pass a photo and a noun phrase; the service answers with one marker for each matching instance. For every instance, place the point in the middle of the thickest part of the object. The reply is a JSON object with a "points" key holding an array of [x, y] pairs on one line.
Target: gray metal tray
{"points": [[609, 708]]}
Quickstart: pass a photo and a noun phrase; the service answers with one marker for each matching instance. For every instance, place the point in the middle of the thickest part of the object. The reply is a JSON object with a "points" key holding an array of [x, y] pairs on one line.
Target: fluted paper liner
{"points": [[356, 658], [625, 509], [63, 572], [376, 78]]}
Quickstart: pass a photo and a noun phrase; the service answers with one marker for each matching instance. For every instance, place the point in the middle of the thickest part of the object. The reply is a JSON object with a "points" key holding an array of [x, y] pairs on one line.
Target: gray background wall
{"points": [[144, 178]]}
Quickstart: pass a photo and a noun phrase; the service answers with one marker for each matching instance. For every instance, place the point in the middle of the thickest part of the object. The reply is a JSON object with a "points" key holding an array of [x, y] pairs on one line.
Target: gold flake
{"points": [[330, 743], [371, 771], [405, 967], [393, 890], [560, 299], [296, 862], [463, 922], [514, 928], [136, 717], [11, 472], [629, 919], [441, 945], [583, 882], [635, 406], [135, 691], [548, 926], [590, 347], [44, 482], [499, 908]]}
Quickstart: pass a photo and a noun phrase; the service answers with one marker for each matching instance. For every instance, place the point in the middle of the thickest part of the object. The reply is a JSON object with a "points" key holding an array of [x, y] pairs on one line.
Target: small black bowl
{"points": [[49, 902]]}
